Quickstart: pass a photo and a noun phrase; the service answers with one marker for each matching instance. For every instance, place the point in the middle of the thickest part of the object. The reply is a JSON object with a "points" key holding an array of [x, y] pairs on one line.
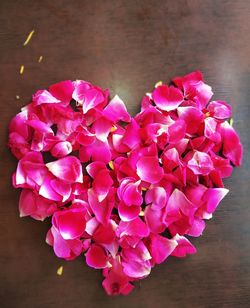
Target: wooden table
{"points": [[127, 46]]}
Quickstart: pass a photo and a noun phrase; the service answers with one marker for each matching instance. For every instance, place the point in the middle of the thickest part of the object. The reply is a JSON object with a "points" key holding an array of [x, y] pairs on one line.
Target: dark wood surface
{"points": [[126, 46]]}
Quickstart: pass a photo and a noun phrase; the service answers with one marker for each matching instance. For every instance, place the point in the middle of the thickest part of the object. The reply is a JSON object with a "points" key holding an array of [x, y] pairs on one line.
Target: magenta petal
{"points": [[177, 131], [100, 151], [157, 196], [27, 203], [167, 98], [139, 253], [220, 110], [116, 282], [115, 288], [44, 97], [104, 234], [161, 247], [135, 227], [178, 200], [46, 190], [213, 196], [232, 148], [195, 194], [102, 210], [194, 88], [61, 247], [192, 116], [94, 168], [201, 163], [96, 257], [87, 95], [136, 269], [63, 91], [18, 124], [67, 249], [61, 188], [101, 128], [101, 184], [116, 110], [149, 170], [210, 130], [131, 194], [67, 169], [39, 126], [197, 227], [61, 149], [154, 219], [184, 247], [131, 136], [70, 222], [128, 213]]}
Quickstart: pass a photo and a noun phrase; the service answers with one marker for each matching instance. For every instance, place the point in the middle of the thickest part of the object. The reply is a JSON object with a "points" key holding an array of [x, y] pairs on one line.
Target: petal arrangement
{"points": [[123, 191]]}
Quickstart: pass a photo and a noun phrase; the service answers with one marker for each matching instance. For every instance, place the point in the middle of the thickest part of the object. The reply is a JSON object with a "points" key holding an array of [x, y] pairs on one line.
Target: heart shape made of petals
{"points": [[123, 191]]}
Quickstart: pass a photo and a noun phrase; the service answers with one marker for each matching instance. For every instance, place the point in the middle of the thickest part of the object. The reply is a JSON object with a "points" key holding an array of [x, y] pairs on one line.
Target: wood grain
{"points": [[126, 46]]}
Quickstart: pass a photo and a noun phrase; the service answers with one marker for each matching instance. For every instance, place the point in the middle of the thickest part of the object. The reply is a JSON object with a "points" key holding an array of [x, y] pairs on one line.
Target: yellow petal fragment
{"points": [[231, 121], [113, 129], [111, 165], [21, 69], [29, 37], [59, 271], [40, 59], [141, 213], [159, 83]]}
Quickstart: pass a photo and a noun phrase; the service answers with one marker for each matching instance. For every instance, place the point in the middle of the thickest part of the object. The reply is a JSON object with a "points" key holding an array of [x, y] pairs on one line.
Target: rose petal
{"points": [[161, 247], [184, 247], [96, 257], [167, 98], [149, 170], [67, 169]]}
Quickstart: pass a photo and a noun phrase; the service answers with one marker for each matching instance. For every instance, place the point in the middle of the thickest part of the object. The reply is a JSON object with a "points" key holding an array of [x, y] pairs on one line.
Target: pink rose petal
{"points": [[167, 98], [149, 170], [67, 169]]}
